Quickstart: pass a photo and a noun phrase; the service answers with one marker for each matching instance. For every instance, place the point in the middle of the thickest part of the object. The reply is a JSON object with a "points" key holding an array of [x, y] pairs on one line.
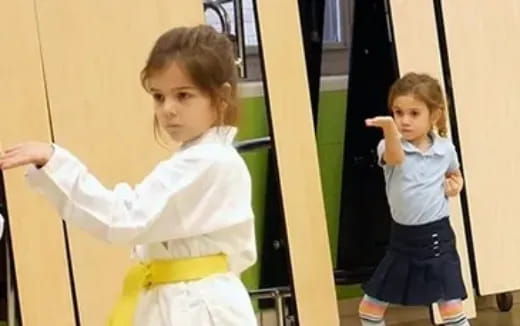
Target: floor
{"points": [[488, 315]]}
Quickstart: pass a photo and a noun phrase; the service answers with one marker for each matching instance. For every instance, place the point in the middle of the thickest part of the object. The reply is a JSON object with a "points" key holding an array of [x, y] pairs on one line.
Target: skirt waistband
{"points": [[423, 241]]}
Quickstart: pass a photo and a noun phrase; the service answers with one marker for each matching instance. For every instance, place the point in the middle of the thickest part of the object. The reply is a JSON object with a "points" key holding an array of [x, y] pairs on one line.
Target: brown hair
{"points": [[425, 89], [208, 57]]}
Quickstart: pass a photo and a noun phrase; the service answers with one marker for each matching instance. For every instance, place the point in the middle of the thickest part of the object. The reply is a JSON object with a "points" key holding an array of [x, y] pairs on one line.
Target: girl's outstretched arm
{"points": [[393, 151]]}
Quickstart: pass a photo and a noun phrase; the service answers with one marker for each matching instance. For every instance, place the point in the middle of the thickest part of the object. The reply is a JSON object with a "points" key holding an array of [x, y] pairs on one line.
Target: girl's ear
{"points": [[225, 90], [435, 116], [224, 94]]}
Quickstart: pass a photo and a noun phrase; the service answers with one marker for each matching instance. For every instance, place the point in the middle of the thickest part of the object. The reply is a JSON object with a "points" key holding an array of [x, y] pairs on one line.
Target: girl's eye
{"points": [[182, 96], [158, 97]]}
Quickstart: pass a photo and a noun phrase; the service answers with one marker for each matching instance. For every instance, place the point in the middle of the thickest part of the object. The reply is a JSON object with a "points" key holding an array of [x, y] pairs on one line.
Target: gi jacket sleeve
{"points": [[199, 190]]}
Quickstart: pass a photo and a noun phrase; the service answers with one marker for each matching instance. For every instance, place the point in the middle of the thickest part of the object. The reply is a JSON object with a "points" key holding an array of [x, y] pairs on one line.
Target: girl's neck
{"points": [[423, 143], [194, 140]]}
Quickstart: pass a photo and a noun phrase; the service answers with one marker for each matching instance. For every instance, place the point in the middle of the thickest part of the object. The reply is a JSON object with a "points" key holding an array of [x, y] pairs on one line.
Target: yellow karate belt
{"points": [[144, 276]]}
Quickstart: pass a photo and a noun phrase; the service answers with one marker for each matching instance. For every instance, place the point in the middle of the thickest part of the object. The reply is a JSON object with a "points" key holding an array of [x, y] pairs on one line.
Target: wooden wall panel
{"points": [[36, 231], [295, 144], [93, 52], [484, 53]]}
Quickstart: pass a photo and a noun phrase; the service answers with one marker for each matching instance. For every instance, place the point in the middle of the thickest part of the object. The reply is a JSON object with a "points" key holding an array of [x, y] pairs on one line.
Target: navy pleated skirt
{"points": [[421, 266]]}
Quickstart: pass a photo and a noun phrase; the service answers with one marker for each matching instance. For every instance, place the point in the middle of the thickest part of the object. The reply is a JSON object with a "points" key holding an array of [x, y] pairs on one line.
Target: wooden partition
{"points": [[288, 99], [484, 52], [37, 234], [73, 68], [93, 52], [417, 45]]}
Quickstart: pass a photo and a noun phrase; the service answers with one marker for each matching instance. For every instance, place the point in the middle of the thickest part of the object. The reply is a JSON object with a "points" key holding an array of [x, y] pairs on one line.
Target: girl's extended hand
{"points": [[381, 122], [27, 153]]}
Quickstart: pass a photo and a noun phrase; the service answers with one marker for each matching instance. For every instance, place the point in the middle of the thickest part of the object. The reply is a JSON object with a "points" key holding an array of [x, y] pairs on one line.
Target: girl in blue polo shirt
{"points": [[421, 171]]}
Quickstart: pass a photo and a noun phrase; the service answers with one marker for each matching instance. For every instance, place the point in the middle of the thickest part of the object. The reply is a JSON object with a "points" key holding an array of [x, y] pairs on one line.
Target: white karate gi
{"points": [[196, 203]]}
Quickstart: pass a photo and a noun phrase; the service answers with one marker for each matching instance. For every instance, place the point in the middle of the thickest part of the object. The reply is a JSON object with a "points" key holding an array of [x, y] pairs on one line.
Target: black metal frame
{"points": [[364, 215], [225, 22]]}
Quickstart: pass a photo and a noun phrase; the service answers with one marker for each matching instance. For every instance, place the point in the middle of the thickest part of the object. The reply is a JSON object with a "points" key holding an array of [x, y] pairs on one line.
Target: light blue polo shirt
{"points": [[415, 188]]}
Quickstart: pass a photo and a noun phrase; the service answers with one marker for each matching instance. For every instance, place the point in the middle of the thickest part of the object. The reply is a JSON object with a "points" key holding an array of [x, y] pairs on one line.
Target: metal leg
{"points": [[280, 309], [279, 295]]}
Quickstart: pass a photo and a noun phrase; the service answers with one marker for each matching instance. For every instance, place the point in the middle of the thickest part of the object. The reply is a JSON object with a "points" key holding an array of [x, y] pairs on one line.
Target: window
{"points": [[336, 34], [332, 32], [212, 18]]}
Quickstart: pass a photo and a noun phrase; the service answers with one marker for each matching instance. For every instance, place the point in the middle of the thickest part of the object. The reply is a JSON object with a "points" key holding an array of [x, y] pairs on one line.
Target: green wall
{"points": [[330, 140]]}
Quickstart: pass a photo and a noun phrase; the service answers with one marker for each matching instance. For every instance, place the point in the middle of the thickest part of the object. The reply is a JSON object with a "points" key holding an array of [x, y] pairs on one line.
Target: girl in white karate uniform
{"points": [[190, 219]]}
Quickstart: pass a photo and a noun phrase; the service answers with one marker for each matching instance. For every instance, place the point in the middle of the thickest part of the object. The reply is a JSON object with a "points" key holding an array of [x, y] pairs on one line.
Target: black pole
{"points": [[312, 14], [8, 250], [450, 101], [364, 215]]}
